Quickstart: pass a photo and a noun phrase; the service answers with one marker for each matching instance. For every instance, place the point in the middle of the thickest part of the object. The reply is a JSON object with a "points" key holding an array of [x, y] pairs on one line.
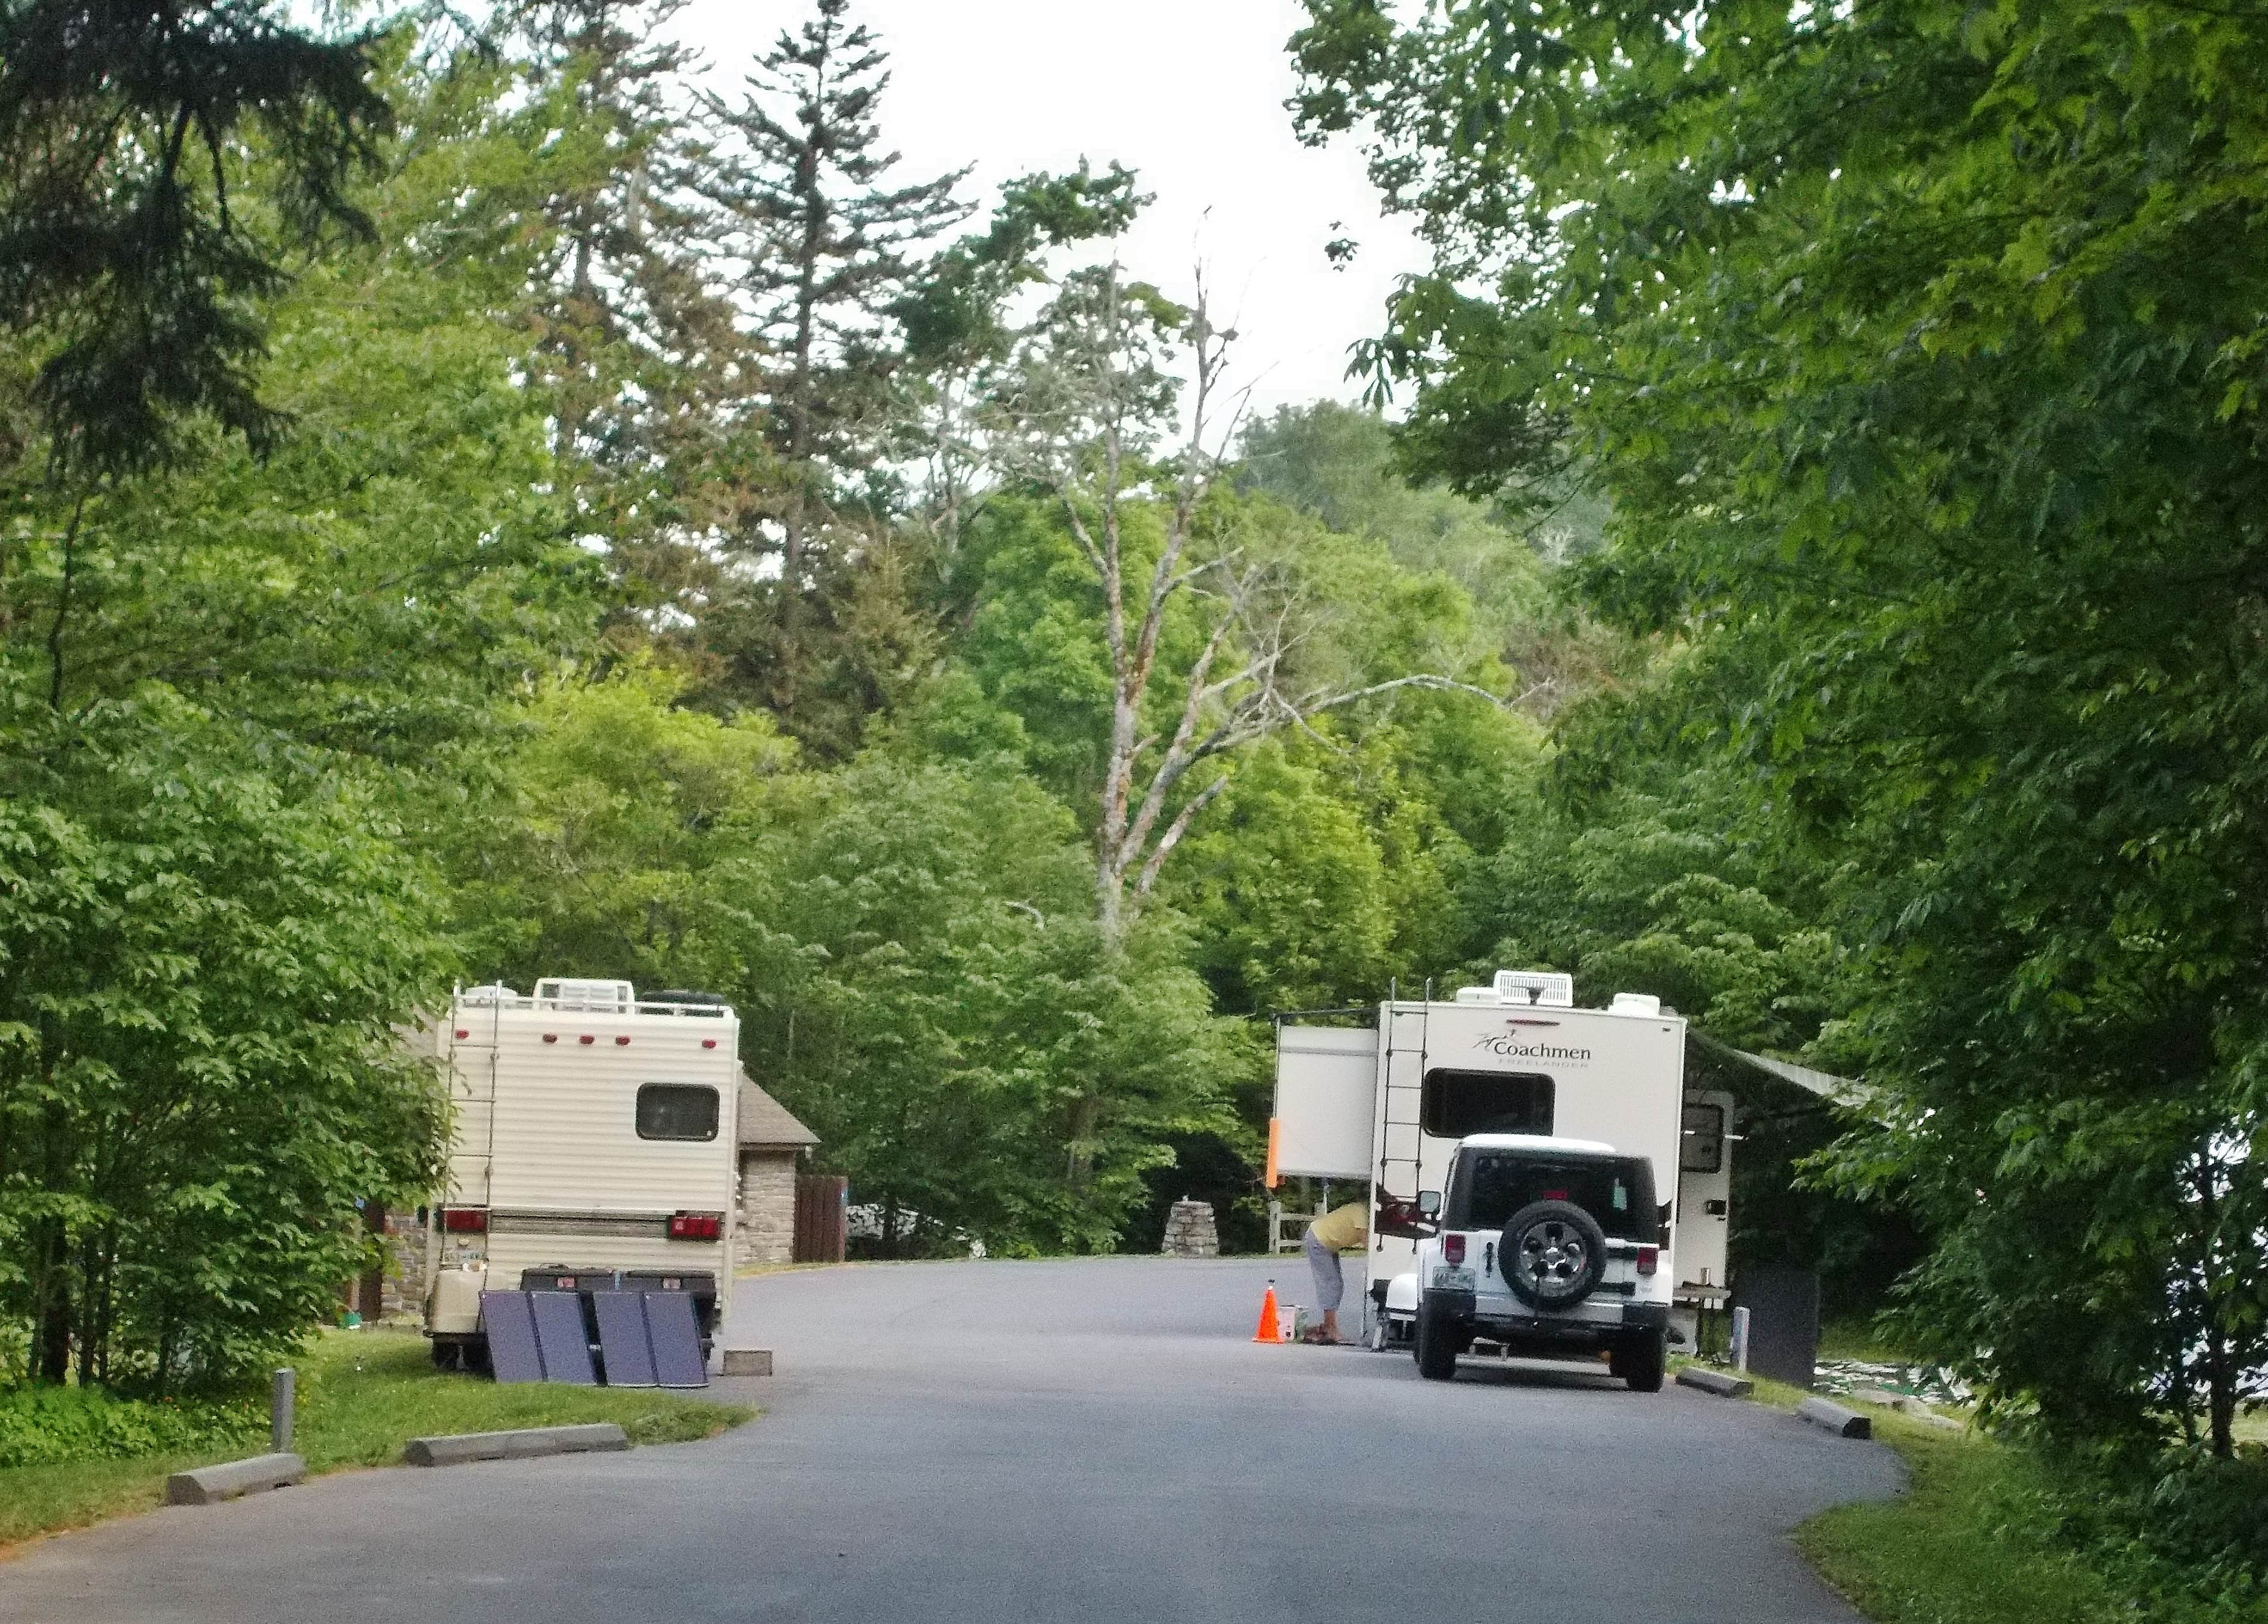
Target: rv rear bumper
{"points": [[1543, 1333]]}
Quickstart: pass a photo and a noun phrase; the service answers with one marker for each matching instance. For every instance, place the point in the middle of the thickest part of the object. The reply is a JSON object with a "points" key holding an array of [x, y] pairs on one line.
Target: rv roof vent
{"points": [[1477, 995], [497, 993], [567, 993], [1547, 987], [1636, 1003]]}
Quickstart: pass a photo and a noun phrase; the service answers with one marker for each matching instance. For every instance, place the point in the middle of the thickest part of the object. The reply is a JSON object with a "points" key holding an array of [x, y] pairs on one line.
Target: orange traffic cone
{"points": [[1272, 1329]]}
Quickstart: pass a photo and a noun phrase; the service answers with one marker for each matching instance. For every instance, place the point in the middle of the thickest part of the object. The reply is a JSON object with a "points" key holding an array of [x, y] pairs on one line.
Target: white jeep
{"points": [[1548, 1247]]}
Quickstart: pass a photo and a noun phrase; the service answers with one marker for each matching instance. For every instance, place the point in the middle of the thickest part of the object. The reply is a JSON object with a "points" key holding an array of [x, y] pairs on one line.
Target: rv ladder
{"points": [[1403, 1087]]}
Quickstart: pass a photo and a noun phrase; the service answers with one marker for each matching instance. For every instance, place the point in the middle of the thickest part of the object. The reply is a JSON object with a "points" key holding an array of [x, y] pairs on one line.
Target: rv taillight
{"points": [[465, 1220], [695, 1225], [1649, 1259], [1453, 1250]]}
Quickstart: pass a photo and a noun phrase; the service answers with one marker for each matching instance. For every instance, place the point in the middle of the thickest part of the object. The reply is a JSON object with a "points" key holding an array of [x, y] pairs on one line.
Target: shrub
{"points": [[44, 1426]]}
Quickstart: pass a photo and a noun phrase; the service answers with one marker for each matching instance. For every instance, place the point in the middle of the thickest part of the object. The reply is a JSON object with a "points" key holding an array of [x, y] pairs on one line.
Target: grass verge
{"points": [[1970, 1541], [362, 1395]]}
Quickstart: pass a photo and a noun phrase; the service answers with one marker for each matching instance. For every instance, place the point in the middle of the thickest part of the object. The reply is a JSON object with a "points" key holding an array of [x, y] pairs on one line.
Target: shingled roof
{"points": [[765, 1122]]}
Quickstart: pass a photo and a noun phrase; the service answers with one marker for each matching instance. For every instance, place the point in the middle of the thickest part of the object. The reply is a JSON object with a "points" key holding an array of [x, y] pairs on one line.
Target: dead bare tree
{"points": [[1089, 420]]}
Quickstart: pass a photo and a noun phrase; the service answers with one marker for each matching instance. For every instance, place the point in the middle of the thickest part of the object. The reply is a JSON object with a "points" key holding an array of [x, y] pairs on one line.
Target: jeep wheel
{"points": [[1640, 1360], [1435, 1344], [1553, 1254]]}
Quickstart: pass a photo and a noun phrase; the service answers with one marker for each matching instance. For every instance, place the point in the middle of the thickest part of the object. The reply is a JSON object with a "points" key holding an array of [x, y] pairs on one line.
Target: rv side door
{"points": [[1704, 1189]]}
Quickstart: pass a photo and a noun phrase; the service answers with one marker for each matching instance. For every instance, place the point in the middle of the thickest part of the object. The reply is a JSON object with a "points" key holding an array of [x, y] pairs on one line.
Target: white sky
{"points": [[1188, 93]]}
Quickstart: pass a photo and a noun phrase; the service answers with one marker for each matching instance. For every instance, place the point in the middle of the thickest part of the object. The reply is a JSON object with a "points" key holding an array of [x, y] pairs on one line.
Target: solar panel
{"points": [[559, 1334], [622, 1339], [510, 1324], [675, 1341]]}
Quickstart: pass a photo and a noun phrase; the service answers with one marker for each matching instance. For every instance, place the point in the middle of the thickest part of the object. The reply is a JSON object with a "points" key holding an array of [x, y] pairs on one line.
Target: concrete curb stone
{"points": [[1715, 1381], [524, 1443], [209, 1484], [1842, 1422]]}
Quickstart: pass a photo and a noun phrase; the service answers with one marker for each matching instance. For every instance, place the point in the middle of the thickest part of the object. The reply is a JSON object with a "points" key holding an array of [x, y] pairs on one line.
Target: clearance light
{"points": [[463, 1032], [1649, 1259], [551, 1037], [465, 1220], [619, 1042], [1453, 1250], [695, 1227], [708, 1043], [586, 1038]]}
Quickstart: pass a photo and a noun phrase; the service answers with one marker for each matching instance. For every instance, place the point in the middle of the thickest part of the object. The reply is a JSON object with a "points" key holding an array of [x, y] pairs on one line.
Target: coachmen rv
{"points": [[1539, 1176]]}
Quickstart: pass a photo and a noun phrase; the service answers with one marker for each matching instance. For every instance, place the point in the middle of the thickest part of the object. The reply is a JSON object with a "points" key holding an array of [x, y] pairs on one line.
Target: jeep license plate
{"points": [[1447, 1279]]}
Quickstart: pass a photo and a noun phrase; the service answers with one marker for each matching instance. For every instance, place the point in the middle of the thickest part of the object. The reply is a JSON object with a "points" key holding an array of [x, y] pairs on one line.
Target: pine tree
{"points": [[819, 246]]}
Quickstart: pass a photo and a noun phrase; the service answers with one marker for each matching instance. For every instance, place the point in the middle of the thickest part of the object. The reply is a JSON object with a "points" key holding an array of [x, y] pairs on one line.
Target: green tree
{"points": [[821, 244], [188, 951], [129, 257], [1919, 348], [938, 1003]]}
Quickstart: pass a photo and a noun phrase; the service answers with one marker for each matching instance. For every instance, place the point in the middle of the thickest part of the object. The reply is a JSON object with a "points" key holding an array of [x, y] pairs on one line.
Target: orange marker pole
{"points": [[1275, 1138]]}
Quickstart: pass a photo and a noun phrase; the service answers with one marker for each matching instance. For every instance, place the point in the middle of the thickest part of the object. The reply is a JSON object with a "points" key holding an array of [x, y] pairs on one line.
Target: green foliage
{"points": [[187, 948], [937, 1001], [46, 1426], [1916, 346], [614, 838], [129, 255]]}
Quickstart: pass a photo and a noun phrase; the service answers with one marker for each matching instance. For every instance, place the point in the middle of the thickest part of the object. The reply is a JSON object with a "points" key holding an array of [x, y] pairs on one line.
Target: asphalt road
{"points": [[1093, 1441]]}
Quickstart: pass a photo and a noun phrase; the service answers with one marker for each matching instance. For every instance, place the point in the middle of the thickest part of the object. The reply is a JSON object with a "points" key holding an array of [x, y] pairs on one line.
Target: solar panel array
{"points": [[645, 1339]]}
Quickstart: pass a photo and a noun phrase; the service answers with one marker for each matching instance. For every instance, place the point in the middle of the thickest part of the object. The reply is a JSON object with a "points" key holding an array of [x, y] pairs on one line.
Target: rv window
{"points": [[1456, 1103], [1487, 1187], [676, 1111], [1703, 1149]]}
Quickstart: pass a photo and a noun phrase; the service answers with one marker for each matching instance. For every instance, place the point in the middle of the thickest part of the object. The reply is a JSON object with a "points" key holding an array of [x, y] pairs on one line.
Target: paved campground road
{"points": [[1091, 1441]]}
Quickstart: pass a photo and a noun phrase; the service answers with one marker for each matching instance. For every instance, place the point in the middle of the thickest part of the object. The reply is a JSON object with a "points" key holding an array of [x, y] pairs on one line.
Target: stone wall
{"points": [[403, 1243], [767, 1216]]}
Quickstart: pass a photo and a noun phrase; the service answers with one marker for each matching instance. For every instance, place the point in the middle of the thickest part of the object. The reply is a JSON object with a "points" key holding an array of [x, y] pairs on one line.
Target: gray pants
{"points": [[1330, 1280]]}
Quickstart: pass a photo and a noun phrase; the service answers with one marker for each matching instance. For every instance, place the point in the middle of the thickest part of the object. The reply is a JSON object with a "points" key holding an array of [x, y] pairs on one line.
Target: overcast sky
{"points": [[1190, 93]]}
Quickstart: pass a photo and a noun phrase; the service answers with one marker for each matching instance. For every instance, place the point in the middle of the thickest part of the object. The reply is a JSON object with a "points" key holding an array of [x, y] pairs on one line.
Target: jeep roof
{"points": [[1539, 1144]]}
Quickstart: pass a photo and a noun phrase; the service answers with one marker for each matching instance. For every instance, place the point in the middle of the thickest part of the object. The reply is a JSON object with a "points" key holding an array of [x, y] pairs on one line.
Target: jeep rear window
{"points": [[1487, 1187]]}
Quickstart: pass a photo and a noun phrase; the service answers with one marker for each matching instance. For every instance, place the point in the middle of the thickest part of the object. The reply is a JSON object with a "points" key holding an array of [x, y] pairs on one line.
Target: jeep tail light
{"points": [[1649, 1259], [465, 1220], [695, 1227], [1453, 1250]]}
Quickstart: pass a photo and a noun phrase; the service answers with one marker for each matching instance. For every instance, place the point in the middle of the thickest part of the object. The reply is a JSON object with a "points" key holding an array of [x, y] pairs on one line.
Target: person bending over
{"points": [[1343, 1229]]}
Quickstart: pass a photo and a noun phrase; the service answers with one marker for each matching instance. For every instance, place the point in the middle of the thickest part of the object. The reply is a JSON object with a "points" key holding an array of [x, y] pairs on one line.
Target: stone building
{"points": [[773, 1143]]}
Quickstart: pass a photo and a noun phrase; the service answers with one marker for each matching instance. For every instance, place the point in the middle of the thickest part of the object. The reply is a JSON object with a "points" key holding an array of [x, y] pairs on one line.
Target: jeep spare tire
{"points": [[1552, 1254]]}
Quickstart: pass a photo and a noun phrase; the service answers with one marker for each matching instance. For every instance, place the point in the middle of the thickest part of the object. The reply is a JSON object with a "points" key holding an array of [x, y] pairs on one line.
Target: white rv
{"points": [[1445, 1109], [594, 1140]]}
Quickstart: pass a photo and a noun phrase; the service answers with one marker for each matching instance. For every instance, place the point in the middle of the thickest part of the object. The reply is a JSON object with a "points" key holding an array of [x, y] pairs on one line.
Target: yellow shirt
{"points": [[1343, 1229]]}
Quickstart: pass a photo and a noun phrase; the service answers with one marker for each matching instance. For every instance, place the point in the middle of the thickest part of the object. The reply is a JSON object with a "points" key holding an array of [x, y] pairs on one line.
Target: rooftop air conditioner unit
{"points": [[1635, 1003], [567, 993], [1546, 989]]}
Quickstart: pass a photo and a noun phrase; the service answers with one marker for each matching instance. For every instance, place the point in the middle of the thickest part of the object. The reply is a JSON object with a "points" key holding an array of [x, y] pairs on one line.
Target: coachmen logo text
{"points": [[1514, 1048]]}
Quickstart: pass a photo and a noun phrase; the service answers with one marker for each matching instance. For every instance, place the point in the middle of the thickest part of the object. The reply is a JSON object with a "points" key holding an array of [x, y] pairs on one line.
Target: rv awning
{"points": [[1845, 1092], [765, 1122]]}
